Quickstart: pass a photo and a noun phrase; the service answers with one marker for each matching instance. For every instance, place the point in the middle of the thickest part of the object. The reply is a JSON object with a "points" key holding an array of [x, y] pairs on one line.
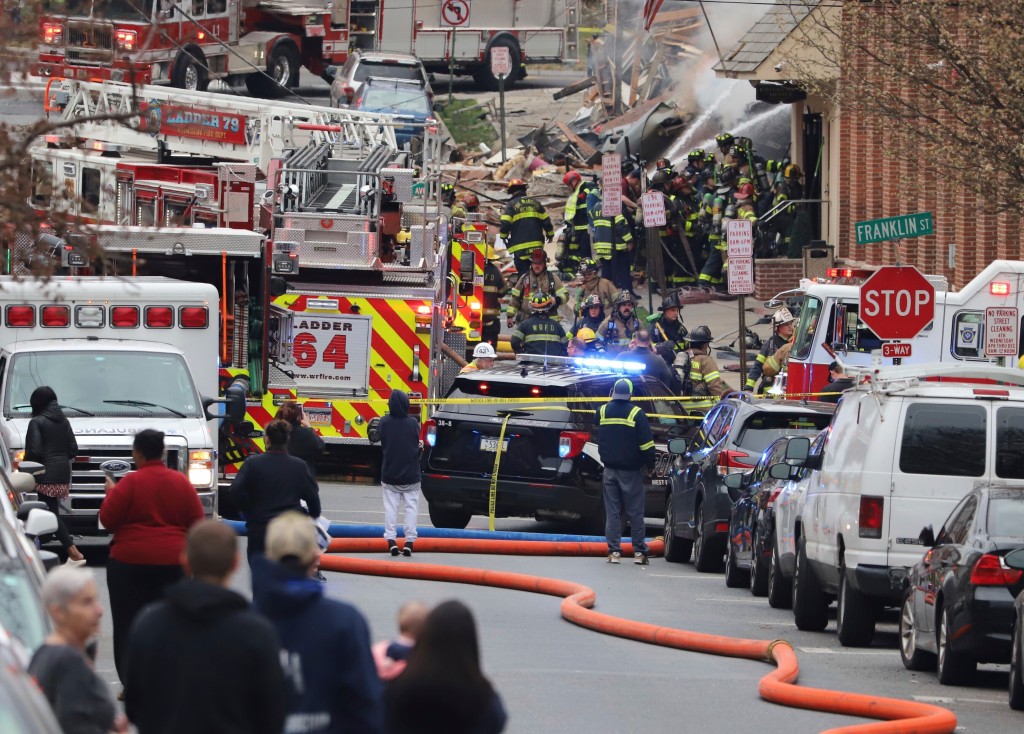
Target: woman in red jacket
{"points": [[149, 512]]}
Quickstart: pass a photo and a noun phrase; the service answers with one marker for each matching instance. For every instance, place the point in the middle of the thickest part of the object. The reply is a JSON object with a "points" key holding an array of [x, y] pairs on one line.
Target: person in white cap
{"points": [[783, 324], [483, 358]]}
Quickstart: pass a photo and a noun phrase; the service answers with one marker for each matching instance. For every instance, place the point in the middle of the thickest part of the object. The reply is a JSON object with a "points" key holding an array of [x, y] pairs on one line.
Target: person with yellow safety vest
{"points": [[610, 240], [525, 225], [625, 444], [535, 280], [592, 284], [483, 358], [783, 323], [494, 289], [576, 238], [541, 333], [701, 377], [468, 203], [620, 326]]}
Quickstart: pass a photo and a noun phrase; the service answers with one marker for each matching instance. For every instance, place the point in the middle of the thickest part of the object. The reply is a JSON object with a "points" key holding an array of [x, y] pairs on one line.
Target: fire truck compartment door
{"points": [[328, 352]]}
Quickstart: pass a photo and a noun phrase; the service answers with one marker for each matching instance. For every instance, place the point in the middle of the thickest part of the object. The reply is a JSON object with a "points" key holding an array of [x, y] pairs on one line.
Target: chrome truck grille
{"points": [[87, 477], [89, 43]]}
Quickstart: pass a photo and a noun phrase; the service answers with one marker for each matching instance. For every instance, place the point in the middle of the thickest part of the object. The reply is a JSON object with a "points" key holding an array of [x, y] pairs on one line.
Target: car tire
{"points": [[1017, 669], [953, 666], [810, 605], [677, 550], [758, 573], [735, 577], [449, 518], [914, 658], [707, 553], [282, 73], [780, 589], [190, 72], [855, 617]]}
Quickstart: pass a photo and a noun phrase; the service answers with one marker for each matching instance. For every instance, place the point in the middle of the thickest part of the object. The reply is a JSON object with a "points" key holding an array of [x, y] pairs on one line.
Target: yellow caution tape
{"points": [[492, 500]]}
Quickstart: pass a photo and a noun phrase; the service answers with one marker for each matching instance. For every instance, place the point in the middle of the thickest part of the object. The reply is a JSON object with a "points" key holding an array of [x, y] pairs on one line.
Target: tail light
{"points": [[570, 443], [429, 433], [728, 460], [991, 571], [349, 93], [126, 40], [53, 34], [871, 517]]}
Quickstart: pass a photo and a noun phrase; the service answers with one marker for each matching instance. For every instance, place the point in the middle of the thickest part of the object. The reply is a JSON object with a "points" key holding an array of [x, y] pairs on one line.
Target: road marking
{"points": [[945, 701], [843, 651]]}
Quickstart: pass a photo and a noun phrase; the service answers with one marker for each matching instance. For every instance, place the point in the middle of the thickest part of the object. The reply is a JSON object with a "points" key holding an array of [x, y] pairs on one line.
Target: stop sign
{"points": [[897, 302]]}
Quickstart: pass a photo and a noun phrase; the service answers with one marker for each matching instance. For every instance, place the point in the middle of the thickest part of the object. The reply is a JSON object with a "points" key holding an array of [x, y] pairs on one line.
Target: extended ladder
{"points": [[209, 125]]}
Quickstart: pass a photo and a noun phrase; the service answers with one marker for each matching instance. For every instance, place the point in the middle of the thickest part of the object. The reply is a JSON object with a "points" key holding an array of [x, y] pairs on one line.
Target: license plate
{"points": [[491, 444], [318, 416]]}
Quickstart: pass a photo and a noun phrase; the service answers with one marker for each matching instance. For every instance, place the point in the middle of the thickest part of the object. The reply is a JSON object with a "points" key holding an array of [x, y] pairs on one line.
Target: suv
{"points": [[408, 102], [362, 65], [549, 466], [905, 446], [731, 439]]}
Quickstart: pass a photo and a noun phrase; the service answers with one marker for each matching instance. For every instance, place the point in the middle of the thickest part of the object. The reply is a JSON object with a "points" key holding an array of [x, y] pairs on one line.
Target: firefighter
{"points": [[704, 379], [468, 203], [525, 225], [778, 362], [537, 279], [620, 326], [611, 241], [541, 333], [667, 328], [594, 345], [494, 289], [591, 315], [576, 236], [483, 358], [679, 263], [448, 195], [783, 323], [723, 210], [591, 284]]}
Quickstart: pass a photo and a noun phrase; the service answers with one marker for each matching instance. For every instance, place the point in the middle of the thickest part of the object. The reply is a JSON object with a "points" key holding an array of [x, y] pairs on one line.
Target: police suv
{"points": [[523, 422]]}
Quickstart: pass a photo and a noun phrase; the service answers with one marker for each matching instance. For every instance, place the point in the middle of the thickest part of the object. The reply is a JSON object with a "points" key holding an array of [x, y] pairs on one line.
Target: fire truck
{"points": [[830, 328], [328, 246], [266, 42]]}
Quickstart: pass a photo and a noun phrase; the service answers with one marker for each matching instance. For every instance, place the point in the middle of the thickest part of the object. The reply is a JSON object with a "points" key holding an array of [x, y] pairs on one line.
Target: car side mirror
{"points": [[22, 482], [839, 347], [783, 471], [814, 462], [1015, 559], [927, 536], [678, 446], [234, 400], [798, 449], [734, 480], [26, 507], [40, 522], [31, 467]]}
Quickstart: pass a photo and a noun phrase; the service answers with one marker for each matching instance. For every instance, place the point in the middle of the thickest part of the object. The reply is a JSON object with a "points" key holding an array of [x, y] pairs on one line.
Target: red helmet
{"points": [[471, 202], [516, 183], [572, 179]]}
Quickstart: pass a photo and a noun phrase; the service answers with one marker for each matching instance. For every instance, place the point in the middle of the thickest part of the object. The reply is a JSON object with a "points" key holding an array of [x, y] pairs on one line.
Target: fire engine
{"points": [[829, 326], [265, 42], [330, 250]]}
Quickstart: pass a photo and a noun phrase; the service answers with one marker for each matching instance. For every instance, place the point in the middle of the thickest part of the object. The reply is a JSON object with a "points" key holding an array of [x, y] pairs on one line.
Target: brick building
{"points": [[855, 180]]}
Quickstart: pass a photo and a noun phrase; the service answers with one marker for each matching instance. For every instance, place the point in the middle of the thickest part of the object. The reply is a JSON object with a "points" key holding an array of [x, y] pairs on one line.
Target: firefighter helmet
{"points": [[484, 350], [587, 335], [724, 140], [697, 154], [471, 202], [625, 297], [514, 184], [541, 302], [740, 152], [700, 335], [539, 256], [670, 301], [661, 177], [588, 265], [448, 193], [592, 300], [572, 179], [727, 176], [746, 191], [663, 163], [782, 317]]}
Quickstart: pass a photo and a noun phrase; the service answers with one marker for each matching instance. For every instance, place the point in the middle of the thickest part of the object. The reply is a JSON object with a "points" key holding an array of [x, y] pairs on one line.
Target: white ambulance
{"points": [[122, 355]]}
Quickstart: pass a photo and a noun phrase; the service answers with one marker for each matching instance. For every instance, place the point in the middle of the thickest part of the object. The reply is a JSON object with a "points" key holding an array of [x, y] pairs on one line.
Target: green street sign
{"points": [[418, 187], [894, 228]]}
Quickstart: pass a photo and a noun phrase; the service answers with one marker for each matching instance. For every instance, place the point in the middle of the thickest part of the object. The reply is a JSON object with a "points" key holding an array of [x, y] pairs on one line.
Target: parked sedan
{"points": [[959, 605], [362, 65]]}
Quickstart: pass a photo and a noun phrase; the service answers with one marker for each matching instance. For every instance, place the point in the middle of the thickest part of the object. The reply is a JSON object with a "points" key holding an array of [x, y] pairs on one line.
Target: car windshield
{"points": [[809, 313], [104, 383], [107, 10], [388, 70], [479, 390], [408, 100], [21, 610], [761, 429], [1006, 515]]}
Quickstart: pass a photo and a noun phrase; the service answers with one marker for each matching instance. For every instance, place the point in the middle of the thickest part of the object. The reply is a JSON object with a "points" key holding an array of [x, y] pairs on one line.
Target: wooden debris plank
{"points": [[581, 145]]}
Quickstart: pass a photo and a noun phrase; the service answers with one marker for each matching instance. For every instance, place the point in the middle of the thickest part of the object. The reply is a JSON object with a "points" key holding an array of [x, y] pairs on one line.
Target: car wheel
{"points": [[1017, 670], [446, 517], [810, 605], [954, 666], [677, 550], [707, 555], [735, 577], [913, 657], [780, 589], [758, 573], [855, 618], [282, 73], [190, 73]]}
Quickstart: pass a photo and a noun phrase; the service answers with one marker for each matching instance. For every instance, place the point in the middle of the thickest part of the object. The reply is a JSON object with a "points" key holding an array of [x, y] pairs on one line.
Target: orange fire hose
{"points": [[779, 686]]}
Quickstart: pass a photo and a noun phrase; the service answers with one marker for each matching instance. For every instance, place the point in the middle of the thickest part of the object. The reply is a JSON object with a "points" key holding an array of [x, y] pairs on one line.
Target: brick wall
{"points": [[776, 275]]}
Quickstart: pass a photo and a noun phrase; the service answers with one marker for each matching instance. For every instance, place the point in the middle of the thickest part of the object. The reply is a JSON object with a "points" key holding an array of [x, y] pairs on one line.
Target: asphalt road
{"points": [[554, 675]]}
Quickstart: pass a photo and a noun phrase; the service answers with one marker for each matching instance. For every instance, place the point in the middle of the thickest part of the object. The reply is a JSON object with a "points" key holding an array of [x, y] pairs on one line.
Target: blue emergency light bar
{"points": [[599, 364]]}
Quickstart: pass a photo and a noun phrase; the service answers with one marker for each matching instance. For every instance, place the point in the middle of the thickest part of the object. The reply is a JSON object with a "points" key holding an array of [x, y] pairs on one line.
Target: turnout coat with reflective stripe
{"points": [[524, 226], [624, 438]]}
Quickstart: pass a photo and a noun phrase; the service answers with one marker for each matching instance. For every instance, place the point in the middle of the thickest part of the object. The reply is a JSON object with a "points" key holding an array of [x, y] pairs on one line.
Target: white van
{"points": [[903, 448]]}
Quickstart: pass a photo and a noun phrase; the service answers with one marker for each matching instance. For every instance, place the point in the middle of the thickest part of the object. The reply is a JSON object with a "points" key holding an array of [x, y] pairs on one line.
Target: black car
{"points": [[958, 609], [730, 439], [549, 466], [1015, 562], [752, 521]]}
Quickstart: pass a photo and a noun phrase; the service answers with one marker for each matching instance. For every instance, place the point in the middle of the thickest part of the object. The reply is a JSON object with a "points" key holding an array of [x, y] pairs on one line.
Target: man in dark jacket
{"points": [[838, 381], [271, 483], [625, 445], [325, 643], [525, 225], [202, 660], [654, 364], [399, 436]]}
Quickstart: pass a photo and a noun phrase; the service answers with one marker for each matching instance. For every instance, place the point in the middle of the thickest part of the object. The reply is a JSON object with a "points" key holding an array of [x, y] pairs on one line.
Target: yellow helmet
{"points": [[586, 335]]}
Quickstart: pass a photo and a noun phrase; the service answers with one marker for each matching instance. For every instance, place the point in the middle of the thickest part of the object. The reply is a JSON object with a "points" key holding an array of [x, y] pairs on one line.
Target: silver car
{"points": [[361, 65]]}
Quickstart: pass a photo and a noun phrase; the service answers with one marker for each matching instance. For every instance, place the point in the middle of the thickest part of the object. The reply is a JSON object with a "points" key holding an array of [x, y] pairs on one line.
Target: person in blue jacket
{"points": [[325, 643]]}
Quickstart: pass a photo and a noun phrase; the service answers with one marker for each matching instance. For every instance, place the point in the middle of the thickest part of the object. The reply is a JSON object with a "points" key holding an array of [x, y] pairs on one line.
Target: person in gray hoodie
{"points": [[399, 437]]}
